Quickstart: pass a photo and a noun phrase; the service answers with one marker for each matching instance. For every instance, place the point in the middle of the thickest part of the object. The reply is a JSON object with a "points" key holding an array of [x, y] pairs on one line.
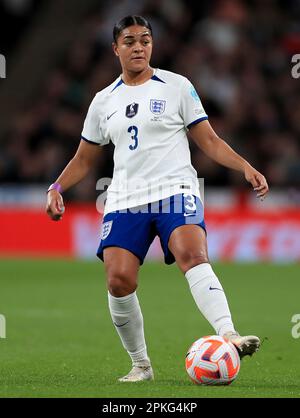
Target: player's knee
{"points": [[119, 284], [190, 259]]}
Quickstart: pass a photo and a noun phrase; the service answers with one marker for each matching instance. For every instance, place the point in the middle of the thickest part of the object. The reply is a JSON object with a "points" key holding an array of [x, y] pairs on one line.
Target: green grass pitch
{"points": [[60, 341]]}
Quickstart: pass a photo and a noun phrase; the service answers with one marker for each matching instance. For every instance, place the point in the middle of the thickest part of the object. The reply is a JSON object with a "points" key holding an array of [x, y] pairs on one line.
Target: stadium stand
{"points": [[238, 54]]}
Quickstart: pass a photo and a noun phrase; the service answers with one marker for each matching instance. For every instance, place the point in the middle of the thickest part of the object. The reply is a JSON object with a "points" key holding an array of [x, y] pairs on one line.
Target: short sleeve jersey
{"points": [[148, 126]]}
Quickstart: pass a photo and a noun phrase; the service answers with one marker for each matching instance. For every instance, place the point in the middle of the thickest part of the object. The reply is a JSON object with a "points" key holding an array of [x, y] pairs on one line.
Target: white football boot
{"points": [[138, 374], [246, 346]]}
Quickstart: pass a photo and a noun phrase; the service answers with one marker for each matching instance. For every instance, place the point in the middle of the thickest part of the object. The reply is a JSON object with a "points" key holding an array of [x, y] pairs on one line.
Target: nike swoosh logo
{"points": [[188, 214], [215, 288], [121, 325], [108, 117]]}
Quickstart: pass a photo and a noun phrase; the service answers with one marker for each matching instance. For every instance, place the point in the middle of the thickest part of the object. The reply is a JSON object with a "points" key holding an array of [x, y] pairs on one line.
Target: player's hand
{"points": [[55, 205], [258, 181]]}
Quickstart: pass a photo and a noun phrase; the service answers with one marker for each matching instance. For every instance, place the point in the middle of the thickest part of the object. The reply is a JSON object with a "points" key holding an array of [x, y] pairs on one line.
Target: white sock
{"points": [[128, 320], [210, 297]]}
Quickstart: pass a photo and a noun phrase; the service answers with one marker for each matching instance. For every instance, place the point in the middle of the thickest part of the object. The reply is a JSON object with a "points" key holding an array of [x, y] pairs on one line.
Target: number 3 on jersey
{"points": [[133, 130]]}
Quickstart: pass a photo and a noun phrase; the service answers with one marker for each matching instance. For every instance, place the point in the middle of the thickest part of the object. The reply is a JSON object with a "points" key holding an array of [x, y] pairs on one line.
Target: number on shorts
{"points": [[190, 202]]}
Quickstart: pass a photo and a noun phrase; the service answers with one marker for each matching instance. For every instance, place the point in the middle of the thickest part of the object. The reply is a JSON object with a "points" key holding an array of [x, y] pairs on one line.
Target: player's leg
{"points": [[189, 246], [125, 239], [122, 268]]}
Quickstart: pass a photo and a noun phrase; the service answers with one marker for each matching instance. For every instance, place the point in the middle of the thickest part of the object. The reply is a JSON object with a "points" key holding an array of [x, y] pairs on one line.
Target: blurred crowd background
{"points": [[236, 53]]}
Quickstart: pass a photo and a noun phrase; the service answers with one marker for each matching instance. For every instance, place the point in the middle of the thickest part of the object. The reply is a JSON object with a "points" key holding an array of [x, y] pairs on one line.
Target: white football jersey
{"points": [[147, 124]]}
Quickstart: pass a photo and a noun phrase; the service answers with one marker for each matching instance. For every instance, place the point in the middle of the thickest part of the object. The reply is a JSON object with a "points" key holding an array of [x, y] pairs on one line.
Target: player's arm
{"points": [[218, 150], [74, 172]]}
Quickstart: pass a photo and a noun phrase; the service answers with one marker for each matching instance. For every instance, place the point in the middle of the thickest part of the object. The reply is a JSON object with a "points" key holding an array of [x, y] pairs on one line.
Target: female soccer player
{"points": [[146, 113]]}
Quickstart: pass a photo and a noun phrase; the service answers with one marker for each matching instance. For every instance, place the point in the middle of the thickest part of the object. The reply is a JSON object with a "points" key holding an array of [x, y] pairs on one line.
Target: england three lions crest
{"points": [[157, 106], [106, 228]]}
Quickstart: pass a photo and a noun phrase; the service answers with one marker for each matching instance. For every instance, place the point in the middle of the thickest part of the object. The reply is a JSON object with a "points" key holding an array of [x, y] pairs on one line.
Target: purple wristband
{"points": [[55, 186]]}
